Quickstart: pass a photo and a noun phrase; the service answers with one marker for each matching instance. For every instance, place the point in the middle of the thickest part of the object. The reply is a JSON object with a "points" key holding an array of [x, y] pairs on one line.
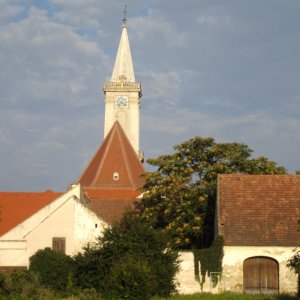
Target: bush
{"points": [[54, 270], [129, 256], [91, 268], [19, 281], [130, 278], [21, 284]]}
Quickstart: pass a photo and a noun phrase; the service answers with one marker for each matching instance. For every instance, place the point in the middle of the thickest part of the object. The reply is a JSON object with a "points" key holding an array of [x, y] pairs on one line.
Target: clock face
{"points": [[121, 102]]}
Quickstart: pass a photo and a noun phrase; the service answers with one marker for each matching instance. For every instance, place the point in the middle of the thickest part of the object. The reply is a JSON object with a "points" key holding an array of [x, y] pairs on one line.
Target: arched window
{"points": [[261, 275]]}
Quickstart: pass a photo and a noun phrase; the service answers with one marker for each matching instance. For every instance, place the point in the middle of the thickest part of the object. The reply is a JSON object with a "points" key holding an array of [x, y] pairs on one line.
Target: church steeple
{"points": [[123, 92], [123, 65]]}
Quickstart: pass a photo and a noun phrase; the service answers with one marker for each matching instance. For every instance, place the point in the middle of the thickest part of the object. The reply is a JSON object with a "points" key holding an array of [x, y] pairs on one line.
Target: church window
{"points": [[59, 244], [116, 176]]}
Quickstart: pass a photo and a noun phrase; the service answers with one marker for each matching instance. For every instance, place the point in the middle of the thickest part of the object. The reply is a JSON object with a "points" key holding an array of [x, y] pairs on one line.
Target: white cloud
{"points": [[145, 28], [221, 70], [8, 10], [163, 87]]}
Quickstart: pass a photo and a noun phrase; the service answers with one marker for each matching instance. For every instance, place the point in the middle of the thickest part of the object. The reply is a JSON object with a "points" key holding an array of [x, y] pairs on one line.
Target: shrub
{"points": [[127, 252], [130, 278], [52, 269], [90, 268], [21, 284]]}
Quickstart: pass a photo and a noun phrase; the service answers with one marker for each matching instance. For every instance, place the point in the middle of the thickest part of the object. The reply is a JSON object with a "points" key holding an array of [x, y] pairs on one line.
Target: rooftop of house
{"points": [[259, 210], [16, 207]]}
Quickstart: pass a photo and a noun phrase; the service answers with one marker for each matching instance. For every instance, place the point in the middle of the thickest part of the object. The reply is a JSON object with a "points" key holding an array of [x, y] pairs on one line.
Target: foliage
{"points": [[21, 284], [129, 256], [131, 278], [294, 262], [53, 269], [209, 259], [180, 196]]}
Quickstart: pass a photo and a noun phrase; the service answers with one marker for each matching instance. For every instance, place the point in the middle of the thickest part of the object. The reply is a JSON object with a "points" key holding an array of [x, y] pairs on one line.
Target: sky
{"points": [[227, 69]]}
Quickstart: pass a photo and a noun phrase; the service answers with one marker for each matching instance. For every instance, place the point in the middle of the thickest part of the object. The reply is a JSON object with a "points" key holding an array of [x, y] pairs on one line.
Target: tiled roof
{"points": [[110, 204], [259, 210], [106, 193], [15, 207], [115, 164], [110, 196]]}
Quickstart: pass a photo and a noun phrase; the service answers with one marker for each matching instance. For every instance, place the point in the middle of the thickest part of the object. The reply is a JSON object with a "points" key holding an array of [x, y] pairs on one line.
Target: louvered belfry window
{"points": [[59, 244]]}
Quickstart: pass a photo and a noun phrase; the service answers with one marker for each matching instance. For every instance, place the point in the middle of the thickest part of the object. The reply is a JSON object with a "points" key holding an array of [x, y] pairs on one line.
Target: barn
{"points": [[258, 217]]}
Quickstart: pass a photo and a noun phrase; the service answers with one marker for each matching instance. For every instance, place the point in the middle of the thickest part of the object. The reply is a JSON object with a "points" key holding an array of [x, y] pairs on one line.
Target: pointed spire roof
{"points": [[115, 164], [123, 64]]}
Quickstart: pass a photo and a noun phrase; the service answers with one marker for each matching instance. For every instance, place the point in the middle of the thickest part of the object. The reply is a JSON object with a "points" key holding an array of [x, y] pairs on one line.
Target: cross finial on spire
{"points": [[125, 13]]}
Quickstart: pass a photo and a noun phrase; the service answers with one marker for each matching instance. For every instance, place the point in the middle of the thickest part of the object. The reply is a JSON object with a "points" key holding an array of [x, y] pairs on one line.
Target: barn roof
{"points": [[15, 207], [259, 210]]}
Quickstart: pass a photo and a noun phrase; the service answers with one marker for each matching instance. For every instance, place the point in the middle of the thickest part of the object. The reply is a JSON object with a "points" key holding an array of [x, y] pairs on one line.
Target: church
{"points": [[107, 187], [256, 214]]}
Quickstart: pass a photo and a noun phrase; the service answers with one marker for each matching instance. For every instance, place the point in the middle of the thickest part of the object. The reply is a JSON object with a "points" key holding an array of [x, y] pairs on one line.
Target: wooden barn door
{"points": [[261, 275]]}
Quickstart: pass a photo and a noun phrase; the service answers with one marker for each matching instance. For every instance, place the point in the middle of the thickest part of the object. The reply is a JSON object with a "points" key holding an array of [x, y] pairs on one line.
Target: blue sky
{"points": [[226, 69]]}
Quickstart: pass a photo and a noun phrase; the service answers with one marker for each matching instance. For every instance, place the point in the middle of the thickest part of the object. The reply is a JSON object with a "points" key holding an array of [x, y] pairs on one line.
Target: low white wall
{"points": [[232, 275], [233, 266], [187, 284]]}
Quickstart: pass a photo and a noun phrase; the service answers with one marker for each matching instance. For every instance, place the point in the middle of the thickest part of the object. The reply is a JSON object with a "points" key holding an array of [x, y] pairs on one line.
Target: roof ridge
{"points": [[115, 156], [109, 139], [125, 156]]}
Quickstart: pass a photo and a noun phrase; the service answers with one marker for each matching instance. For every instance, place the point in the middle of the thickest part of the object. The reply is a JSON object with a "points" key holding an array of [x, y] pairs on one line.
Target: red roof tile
{"points": [[109, 196], [115, 156], [110, 204], [15, 207], [259, 210], [98, 193]]}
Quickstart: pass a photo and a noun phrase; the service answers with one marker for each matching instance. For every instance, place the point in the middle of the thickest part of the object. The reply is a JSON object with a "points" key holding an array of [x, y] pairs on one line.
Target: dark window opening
{"points": [[59, 244]]}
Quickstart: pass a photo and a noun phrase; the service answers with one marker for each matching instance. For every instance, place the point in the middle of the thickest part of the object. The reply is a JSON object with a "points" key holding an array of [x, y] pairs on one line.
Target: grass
{"points": [[200, 296], [227, 296]]}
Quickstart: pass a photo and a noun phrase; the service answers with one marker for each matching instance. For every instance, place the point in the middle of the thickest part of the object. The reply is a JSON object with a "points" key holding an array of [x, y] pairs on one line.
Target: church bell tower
{"points": [[122, 94]]}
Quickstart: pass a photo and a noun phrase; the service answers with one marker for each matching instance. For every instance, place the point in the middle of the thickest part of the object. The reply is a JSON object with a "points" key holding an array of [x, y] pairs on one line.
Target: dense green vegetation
{"points": [[130, 261]]}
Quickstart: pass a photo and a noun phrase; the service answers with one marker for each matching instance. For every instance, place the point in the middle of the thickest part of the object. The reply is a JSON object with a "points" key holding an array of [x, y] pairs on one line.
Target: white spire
{"points": [[123, 64]]}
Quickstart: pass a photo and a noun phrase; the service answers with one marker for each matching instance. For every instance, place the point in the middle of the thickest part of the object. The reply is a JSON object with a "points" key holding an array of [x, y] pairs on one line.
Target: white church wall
{"points": [[87, 227]]}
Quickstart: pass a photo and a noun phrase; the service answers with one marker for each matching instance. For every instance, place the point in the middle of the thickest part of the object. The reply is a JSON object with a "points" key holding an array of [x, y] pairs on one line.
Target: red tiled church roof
{"points": [[111, 211], [113, 176], [15, 207], [259, 210], [115, 156], [110, 204]]}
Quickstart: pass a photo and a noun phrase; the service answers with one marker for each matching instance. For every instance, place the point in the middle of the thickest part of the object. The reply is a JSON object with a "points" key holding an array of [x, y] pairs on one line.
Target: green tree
{"points": [[130, 261], [180, 196]]}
